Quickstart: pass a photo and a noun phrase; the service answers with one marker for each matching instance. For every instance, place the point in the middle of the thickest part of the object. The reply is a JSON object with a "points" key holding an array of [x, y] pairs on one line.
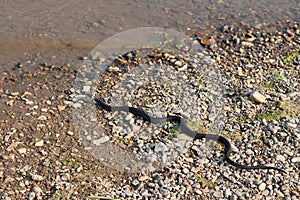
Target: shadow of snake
{"points": [[185, 129]]}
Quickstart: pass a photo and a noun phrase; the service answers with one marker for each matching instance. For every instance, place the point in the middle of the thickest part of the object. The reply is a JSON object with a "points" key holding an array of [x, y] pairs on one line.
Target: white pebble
{"points": [[262, 186], [280, 158], [39, 143], [37, 177], [296, 159], [160, 147], [22, 150], [101, 140], [257, 97]]}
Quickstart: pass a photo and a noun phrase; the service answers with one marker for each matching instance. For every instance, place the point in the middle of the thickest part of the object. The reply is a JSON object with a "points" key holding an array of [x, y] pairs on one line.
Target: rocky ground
{"points": [[44, 157]]}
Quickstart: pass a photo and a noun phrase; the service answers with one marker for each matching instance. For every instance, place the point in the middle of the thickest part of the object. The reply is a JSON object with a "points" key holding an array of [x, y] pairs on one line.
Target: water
{"points": [[61, 27]]}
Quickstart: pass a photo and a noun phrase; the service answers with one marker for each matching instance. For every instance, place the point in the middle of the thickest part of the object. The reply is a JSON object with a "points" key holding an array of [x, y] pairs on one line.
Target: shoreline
{"points": [[43, 156]]}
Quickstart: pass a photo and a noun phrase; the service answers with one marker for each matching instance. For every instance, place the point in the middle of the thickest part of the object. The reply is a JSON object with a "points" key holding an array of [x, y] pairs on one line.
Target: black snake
{"points": [[185, 129]]}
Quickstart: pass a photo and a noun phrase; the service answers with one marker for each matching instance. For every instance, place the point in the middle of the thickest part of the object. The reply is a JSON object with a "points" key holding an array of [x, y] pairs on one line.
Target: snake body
{"points": [[185, 129]]}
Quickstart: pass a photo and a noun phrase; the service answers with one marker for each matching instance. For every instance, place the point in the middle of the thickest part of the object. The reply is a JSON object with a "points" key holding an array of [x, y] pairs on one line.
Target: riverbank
{"points": [[42, 155]]}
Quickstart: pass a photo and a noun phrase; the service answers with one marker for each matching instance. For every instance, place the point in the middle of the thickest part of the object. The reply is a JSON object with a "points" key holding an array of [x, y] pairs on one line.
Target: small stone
{"points": [[39, 143], [67, 103], [70, 133], [262, 186], [184, 67], [37, 190], [42, 118], [60, 108], [22, 150], [37, 177], [274, 129], [296, 159], [228, 193], [257, 97], [207, 41], [143, 178], [265, 193], [178, 63], [65, 177], [160, 147], [240, 71], [48, 102], [26, 94], [185, 170], [76, 105], [291, 125], [14, 94], [86, 88], [280, 158], [28, 102], [218, 194], [10, 102], [247, 44], [95, 25], [12, 146], [44, 110], [101, 140], [31, 196], [135, 183]]}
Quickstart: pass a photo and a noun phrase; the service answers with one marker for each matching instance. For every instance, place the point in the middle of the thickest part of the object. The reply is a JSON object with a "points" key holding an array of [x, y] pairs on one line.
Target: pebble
{"points": [[262, 186], [257, 97], [135, 182], [86, 88], [227, 193], [296, 159], [185, 170], [65, 176], [39, 143], [67, 103], [14, 94], [143, 178], [218, 194], [31, 196], [44, 110], [10, 102], [160, 147], [61, 108], [22, 150], [42, 118], [37, 177], [28, 102], [178, 63], [280, 158], [70, 133], [273, 128], [76, 105], [248, 44], [101, 140]]}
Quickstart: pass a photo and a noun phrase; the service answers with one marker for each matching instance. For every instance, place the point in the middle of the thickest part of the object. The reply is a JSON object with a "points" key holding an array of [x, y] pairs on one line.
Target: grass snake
{"points": [[186, 130]]}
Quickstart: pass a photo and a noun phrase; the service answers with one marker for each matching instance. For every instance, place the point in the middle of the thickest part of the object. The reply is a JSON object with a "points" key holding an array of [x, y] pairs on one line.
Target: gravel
{"points": [[43, 156]]}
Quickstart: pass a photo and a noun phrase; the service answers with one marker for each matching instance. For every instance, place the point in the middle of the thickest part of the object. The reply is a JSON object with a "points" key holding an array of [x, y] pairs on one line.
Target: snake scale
{"points": [[185, 129]]}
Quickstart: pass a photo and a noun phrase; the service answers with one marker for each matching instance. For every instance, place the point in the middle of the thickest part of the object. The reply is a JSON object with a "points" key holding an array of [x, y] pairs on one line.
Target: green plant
{"points": [[271, 115], [277, 77], [290, 57], [206, 182], [174, 132]]}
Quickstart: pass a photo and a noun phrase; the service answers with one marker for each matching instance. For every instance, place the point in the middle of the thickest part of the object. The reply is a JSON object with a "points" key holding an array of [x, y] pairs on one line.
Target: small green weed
{"points": [[290, 57], [206, 182]]}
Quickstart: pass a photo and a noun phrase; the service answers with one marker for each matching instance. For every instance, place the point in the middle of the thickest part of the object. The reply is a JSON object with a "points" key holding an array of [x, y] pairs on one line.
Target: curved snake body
{"points": [[185, 129]]}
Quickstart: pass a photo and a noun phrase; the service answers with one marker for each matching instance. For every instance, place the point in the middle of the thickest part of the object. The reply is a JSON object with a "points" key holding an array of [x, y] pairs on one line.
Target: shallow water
{"points": [[57, 26]]}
